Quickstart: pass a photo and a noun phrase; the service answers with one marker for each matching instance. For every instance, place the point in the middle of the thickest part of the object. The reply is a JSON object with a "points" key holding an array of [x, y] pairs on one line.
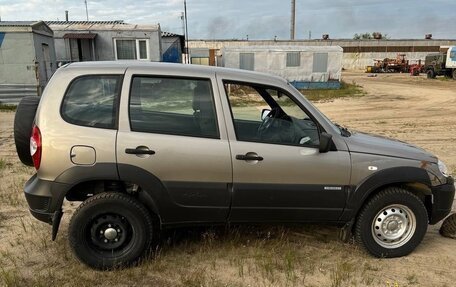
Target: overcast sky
{"points": [[227, 19]]}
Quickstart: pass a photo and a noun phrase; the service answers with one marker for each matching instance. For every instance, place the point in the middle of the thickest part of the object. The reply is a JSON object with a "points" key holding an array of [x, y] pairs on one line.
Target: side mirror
{"points": [[325, 142], [265, 113]]}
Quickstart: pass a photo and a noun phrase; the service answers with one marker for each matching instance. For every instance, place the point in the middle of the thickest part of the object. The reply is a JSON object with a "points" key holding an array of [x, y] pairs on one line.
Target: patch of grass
{"points": [[7, 108], [341, 273], [195, 278], [347, 90], [412, 279], [10, 277], [445, 79], [11, 193], [2, 163]]}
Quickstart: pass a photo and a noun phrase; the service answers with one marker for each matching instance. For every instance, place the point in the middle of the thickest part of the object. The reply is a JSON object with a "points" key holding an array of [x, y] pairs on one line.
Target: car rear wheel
{"points": [[110, 230], [392, 223], [23, 124]]}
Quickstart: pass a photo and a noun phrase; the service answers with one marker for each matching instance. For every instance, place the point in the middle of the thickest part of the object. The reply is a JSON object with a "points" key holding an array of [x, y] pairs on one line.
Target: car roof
{"points": [[124, 65]]}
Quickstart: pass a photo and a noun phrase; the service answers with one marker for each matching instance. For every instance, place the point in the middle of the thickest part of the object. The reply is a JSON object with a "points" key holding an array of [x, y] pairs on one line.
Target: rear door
{"points": [[172, 140]]}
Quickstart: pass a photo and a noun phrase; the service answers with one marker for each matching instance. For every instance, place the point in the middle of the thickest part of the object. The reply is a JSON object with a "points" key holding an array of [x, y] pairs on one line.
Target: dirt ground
{"points": [[416, 110]]}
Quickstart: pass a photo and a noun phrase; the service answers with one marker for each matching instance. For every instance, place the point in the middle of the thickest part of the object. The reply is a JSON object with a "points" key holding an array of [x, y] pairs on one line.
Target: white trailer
{"points": [[305, 66]]}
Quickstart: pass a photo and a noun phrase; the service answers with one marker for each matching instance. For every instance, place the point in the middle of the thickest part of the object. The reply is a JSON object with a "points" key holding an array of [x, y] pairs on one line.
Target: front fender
{"points": [[358, 194]]}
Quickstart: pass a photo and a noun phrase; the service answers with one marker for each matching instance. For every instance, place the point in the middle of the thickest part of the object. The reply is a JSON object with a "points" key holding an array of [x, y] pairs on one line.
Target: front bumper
{"points": [[44, 198], [443, 196]]}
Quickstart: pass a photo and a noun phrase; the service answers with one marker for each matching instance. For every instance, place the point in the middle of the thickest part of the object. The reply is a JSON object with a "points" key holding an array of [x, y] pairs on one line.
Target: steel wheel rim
{"points": [[393, 226], [110, 233]]}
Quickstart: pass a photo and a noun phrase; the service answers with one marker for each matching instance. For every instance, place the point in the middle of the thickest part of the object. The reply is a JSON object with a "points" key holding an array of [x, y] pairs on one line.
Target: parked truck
{"points": [[389, 65], [441, 64]]}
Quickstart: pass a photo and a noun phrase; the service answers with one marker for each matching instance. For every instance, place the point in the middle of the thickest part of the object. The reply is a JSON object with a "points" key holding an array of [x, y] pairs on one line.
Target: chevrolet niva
{"points": [[146, 146]]}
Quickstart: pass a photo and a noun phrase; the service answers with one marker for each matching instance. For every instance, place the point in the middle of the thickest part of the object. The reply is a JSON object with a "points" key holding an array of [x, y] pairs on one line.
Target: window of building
{"points": [[132, 49], [247, 61], [142, 49], [200, 61], [293, 59], [91, 101], [176, 106], [320, 62]]}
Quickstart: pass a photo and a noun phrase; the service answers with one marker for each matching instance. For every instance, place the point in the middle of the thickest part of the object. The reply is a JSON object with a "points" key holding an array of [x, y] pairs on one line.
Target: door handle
{"points": [[138, 151], [249, 156]]}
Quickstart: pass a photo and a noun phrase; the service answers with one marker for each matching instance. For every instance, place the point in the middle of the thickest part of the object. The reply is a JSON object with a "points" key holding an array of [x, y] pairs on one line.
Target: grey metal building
{"points": [[27, 58], [173, 46], [357, 54], [77, 41]]}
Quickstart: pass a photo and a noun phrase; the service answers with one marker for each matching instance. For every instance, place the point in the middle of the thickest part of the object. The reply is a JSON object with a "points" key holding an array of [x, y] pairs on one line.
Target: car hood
{"points": [[375, 144]]}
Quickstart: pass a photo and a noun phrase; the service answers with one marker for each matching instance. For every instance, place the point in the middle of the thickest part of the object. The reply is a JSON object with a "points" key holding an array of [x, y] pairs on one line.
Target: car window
{"points": [[176, 106], [268, 115], [92, 101], [287, 104], [246, 103]]}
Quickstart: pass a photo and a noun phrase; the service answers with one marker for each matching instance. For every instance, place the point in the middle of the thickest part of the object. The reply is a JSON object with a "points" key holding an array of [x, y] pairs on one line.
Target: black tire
{"points": [[102, 213], [387, 206], [23, 124], [430, 74], [448, 228], [454, 74]]}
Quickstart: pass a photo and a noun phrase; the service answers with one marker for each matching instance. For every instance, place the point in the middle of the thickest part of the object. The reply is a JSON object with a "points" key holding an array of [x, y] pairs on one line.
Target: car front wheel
{"points": [[392, 223]]}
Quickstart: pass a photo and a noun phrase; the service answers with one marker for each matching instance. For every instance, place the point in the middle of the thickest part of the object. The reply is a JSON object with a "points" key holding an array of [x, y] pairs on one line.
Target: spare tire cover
{"points": [[23, 124]]}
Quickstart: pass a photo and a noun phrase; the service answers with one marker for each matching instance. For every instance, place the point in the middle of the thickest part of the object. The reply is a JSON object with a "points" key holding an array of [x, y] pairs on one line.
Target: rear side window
{"points": [[92, 101], [176, 106]]}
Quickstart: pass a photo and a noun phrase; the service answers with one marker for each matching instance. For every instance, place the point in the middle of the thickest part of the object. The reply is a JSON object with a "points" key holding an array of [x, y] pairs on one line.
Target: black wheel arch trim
{"points": [[359, 194], [152, 187], [155, 194], [152, 193]]}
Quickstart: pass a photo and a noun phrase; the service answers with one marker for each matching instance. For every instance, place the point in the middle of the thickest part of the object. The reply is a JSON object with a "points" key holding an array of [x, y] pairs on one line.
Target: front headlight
{"points": [[443, 168]]}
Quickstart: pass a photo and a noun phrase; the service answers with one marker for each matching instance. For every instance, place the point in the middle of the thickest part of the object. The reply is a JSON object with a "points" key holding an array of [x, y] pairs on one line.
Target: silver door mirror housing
{"points": [[325, 142], [265, 113]]}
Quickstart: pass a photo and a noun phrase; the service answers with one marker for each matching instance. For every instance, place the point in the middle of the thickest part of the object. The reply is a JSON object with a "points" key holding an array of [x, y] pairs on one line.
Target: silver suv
{"points": [[146, 146]]}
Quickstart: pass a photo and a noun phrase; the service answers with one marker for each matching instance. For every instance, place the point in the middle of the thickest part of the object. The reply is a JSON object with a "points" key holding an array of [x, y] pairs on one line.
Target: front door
{"points": [[278, 172], [171, 140]]}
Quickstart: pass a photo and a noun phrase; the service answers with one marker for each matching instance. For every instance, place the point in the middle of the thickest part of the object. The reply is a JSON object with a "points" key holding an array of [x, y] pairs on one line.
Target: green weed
{"points": [[347, 90], [7, 108]]}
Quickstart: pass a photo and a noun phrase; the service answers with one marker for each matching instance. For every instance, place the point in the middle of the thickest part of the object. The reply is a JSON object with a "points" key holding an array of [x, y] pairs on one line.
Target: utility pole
{"points": [[186, 32], [87, 10], [183, 23], [293, 19], [184, 52]]}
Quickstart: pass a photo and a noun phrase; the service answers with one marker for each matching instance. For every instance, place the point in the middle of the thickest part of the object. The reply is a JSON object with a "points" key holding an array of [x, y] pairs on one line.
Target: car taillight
{"points": [[35, 147]]}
